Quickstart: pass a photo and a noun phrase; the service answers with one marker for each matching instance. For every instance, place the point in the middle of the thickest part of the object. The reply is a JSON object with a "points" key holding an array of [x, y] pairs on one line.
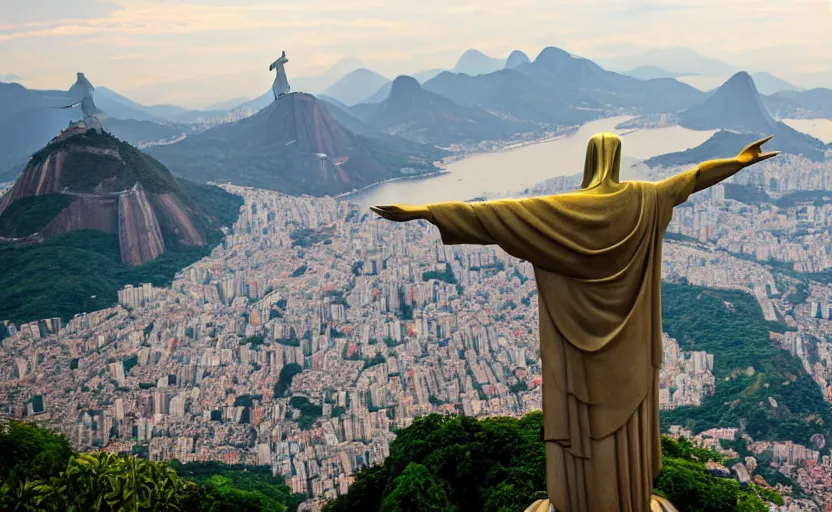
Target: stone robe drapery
{"points": [[597, 261]]}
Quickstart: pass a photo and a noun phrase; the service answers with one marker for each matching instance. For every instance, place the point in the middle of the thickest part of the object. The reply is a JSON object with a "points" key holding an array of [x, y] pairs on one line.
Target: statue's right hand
{"points": [[753, 153], [402, 213]]}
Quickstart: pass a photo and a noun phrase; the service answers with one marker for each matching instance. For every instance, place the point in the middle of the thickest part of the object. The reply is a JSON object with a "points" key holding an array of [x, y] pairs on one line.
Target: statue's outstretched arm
{"points": [[537, 229], [461, 226], [402, 212], [714, 171], [708, 174]]}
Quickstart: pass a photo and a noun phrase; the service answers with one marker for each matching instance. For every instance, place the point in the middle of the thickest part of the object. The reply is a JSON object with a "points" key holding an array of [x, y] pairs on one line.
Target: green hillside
{"points": [[457, 463], [83, 171], [31, 214], [40, 472], [59, 277], [730, 325]]}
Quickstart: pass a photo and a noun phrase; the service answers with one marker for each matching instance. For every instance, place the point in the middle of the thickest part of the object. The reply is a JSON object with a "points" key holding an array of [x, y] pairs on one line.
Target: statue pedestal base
{"points": [[657, 504]]}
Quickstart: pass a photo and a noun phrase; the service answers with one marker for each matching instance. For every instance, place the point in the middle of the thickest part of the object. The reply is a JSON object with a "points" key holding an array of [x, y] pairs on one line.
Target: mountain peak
{"points": [[472, 53], [364, 71], [474, 62], [551, 54], [280, 147], [355, 86], [735, 105], [516, 58], [742, 80], [93, 181], [404, 86]]}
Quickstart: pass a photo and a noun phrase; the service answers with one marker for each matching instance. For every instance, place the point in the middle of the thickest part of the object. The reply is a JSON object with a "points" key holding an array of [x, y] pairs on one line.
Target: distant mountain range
{"points": [[510, 93], [675, 60], [474, 62], [31, 118], [294, 146], [356, 86], [575, 77], [487, 98], [121, 107], [680, 62], [516, 58], [737, 106], [424, 116], [814, 103], [365, 86], [769, 84]]}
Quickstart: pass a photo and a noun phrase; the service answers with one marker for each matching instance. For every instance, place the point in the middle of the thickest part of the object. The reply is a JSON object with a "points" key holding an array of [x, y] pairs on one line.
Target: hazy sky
{"points": [[194, 53]]}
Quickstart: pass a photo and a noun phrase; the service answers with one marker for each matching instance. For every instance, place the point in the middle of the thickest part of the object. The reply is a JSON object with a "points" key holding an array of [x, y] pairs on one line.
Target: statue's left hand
{"points": [[402, 213], [753, 153]]}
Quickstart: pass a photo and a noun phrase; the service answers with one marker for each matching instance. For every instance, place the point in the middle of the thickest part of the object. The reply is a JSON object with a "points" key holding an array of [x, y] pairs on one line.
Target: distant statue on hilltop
{"points": [[81, 94], [281, 83], [597, 259]]}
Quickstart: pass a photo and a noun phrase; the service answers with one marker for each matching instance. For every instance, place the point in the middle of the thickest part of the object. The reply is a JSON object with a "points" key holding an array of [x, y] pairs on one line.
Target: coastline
{"points": [[345, 195], [571, 130]]}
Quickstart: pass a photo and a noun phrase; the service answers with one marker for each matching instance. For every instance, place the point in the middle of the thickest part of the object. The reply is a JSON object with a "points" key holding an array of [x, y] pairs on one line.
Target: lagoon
{"points": [[512, 170]]}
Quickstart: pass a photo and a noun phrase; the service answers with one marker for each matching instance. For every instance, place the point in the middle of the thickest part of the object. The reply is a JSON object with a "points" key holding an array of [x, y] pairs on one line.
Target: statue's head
{"points": [[603, 159]]}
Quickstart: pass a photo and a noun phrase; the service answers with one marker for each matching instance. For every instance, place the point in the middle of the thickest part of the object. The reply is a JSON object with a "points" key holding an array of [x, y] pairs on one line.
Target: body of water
{"points": [[817, 128], [512, 170]]}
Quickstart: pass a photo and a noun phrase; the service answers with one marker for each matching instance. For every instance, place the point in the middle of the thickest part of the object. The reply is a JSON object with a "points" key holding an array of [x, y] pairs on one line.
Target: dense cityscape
{"points": [[227, 283], [315, 329]]}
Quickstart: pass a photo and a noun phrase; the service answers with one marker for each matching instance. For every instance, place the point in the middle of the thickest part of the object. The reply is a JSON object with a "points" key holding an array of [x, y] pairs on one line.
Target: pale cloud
{"points": [[214, 49], [9, 77]]}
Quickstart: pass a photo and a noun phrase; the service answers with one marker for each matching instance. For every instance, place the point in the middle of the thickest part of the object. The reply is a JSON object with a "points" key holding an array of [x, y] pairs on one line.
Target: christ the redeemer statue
{"points": [[81, 94], [281, 83], [597, 260]]}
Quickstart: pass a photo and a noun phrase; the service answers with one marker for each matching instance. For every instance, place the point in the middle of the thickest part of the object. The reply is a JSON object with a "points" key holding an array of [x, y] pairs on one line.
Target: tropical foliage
{"points": [[40, 472], [241, 487], [456, 463], [108, 482]]}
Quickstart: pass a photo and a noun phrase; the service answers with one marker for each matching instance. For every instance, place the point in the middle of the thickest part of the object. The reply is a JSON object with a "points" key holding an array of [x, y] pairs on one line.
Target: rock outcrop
{"points": [[92, 181], [181, 220], [139, 235], [86, 212], [38, 179]]}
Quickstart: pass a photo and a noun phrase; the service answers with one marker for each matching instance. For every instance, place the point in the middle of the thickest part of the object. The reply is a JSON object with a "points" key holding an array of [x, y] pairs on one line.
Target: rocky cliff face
{"points": [[108, 186], [139, 235], [180, 219], [86, 212], [38, 179]]}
